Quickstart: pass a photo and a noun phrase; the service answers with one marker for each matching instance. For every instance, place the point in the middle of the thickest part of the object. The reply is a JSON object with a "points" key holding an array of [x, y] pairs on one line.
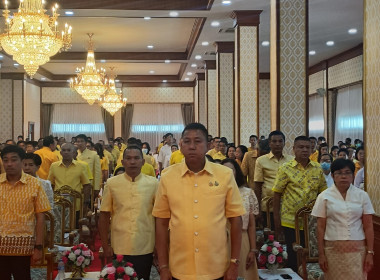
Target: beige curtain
{"points": [[187, 113], [109, 124], [126, 121], [47, 113]]}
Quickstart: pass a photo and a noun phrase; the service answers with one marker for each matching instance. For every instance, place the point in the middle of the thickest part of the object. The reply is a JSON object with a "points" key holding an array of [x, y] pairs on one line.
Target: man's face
{"points": [[22, 146], [30, 167], [253, 141], [67, 152], [81, 144], [276, 144], [30, 148], [216, 144], [325, 158], [12, 164], [324, 150], [222, 148], [169, 139], [61, 141], [174, 148], [342, 155], [132, 162], [302, 150], [313, 145], [88, 146], [193, 146]]}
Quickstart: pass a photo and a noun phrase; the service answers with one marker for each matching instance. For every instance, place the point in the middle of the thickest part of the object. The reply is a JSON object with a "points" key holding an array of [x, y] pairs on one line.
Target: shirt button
{"points": [[196, 185], [196, 233], [195, 216], [196, 201], [196, 250]]}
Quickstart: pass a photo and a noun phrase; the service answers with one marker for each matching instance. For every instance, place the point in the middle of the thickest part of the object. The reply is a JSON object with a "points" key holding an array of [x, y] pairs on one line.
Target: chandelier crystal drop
{"points": [[31, 36], [112, 101], [90, 83]]}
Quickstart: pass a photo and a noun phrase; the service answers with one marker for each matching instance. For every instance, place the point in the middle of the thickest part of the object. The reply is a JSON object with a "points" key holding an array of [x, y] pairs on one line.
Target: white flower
{"points": [[264, 248], [275, 251], [129, 270], [104, 272], [72, 257], [284, 254], [87, 261]]}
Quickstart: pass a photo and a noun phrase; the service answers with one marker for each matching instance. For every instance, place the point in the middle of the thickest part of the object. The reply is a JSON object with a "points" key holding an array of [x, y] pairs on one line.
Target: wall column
{"points": [[212, 120], [225, 89], [289, 68], [201, 115], [246, 74]]}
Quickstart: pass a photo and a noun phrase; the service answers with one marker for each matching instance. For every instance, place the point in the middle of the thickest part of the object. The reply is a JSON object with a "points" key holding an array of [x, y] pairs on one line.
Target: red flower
{"points": [[85, 248], [111, 276], [280, 249], [120, 269], [119, 258], [126, 277], [134, 274], [269, 249], [271, 237], [74, 248], [64, 259], [67, 253], [279, 259], [129, 264], [109, 264], [262, 259]]}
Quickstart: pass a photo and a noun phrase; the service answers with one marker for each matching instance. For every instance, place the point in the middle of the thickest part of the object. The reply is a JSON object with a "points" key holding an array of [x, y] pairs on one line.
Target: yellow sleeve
{"points": [[97, 173], [234, 203], [244, 165], [106, 205], [161, 207]]}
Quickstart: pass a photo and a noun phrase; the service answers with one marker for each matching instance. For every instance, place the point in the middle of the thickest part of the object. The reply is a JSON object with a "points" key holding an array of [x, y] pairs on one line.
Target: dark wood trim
{"points": [[278, 73], [121, 56], [318, 67], [218, 94], [23, 108], [224, 47], [210, 64], [54, 84], [328, 128], [206, 98], [344, 56], [234, 93], [347, 85], [257, 83], [40, 112], [195, 33], [200, 76], [375, 272], [306, 67], [246, 17], [181, 71], [162, 5], [158, 84], [264, 76], [12, 76], [47, 74], [237, 75], [33, 82]]}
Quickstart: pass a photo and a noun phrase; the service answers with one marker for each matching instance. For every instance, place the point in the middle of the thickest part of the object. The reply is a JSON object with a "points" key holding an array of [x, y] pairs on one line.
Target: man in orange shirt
{"points": [[47, 155]]}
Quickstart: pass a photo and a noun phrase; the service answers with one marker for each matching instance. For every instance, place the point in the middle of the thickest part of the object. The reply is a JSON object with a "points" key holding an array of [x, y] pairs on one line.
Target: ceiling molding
{"points": [[318, 67], [55, 84], [33, 82], [195, 33], [13, 76], [210, 64], [158, 84], [201, 76], [344, 56], [246, 17], [121, 56], [169, 5], [224, 47]]}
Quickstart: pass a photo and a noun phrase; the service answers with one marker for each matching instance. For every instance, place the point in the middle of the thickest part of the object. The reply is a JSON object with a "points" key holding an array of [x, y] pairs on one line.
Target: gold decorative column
{"points": [[212, 119], [371, 101], [246, 25], [200, 89], [289, 68], [225, 89]]}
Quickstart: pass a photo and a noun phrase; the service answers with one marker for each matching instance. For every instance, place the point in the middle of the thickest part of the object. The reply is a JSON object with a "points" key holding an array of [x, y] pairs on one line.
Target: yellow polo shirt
{"points": [[176, 157], [248, 167], [250, 149], [109, 157], [131, 204], [1, 166], [299, 186], [314, 156], [47, 157], [219, 155], [265, 172], [146, 169], [198, 205], [86, 168], [212, 152], [93, 161], [115, 153], [104, 163], [58, 154], [159, 147], [149, 159], [18, 205]]}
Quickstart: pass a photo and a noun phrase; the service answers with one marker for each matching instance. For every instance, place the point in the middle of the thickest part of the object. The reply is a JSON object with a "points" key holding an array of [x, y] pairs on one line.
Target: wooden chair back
{"points": [[73, 196]]}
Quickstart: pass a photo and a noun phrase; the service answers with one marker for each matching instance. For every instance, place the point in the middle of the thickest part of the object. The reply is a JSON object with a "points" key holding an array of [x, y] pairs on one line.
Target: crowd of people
{"points": [[190, 208]]}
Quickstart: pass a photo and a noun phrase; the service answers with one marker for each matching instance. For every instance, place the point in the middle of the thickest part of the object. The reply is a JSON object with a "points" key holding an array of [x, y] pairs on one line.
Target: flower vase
{"points": [[78, 273], [273, 269]]}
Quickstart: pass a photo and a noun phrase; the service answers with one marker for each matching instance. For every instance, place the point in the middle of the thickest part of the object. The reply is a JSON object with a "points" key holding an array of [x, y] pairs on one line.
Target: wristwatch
{"points": [[38, 247], [235, 261], [371, 252]]}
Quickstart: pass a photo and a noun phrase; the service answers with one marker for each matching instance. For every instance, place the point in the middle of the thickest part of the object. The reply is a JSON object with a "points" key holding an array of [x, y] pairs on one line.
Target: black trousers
{"points": [[18, 266], [290, 238], [142, 264], [271, 226]]}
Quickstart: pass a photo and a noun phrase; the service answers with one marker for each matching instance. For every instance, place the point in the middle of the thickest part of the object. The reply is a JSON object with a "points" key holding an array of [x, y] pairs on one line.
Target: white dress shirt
{"points": [[329, 180], [343, 217], [165, 151]]}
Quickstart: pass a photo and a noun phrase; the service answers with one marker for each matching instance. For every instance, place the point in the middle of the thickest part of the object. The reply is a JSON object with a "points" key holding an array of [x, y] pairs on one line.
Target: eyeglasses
{"points": [[343, 174]]}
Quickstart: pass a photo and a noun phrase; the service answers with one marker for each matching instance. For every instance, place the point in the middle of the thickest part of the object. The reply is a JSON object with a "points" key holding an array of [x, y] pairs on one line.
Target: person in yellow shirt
{"points": [[240, 152], [132, 227], [215, 149], [196, 197], [253, 143], [104, 162], [222, 150], [47, 156], [314, 151], [1, 167], [176, 156], [298, 183], [85, 165], [148, 158]]}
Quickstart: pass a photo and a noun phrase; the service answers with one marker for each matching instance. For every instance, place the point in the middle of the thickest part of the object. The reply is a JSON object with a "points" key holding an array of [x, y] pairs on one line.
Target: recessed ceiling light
{"points": [[215, 23], [187, 79], [193, 65], [198, 57], [151, 72], [116, 81], [167, 61], [330, 43], [189, 73], [205, 43], [352, 31], [265, 43], [147, 18], [226, 2], [103, 60], [173, 14], [69, 13], [164, 81], [16, 64], [150, 46], [312, 52], [43, 79]]}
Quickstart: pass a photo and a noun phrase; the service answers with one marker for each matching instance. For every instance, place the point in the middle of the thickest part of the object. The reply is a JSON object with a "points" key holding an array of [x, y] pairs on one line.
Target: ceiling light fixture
{"points": [[90, 82], [187, 79], [150, 46], [189, 73], [173, 14], [194, 65], [103, 60], [330, 43], [117, 81], [226, 2], [151, 72], [31, 36], [215, 23], [69, 13], [312, 52], [147, 18], [16, 64], [352, 31], [1, 56], [265, 43], [205, 43], [167, 61], [112, 101], [198, 57], [164, 81], [43, 79]]}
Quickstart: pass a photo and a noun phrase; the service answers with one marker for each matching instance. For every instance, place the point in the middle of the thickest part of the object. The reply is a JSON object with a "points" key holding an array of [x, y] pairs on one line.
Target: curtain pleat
{"points": [[47, 113], [108, 123], [187, 113], [126, 120]]}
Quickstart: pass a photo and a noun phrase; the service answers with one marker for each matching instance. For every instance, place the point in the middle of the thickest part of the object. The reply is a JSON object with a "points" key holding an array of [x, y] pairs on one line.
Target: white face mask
{"points": [[145, 151]]}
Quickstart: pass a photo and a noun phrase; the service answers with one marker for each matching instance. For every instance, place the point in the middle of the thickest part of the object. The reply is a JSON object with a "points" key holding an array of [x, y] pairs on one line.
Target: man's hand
{"points": [[232, 272], [37, 256], [165, 274], [107, 251], [368, 263], [323, 262], [250, 259]]}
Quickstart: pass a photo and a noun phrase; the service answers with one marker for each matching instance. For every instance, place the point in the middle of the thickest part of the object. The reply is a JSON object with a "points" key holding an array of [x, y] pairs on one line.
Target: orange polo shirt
{"points": [[198, 205], [18, 205], [47, 157]]}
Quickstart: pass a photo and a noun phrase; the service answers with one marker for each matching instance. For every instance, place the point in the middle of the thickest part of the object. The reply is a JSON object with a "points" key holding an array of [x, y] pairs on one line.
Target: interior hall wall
{"points": [[6, 112], [264, 107], [18, 95], [32, 108], [347, 72], [140, 95]]}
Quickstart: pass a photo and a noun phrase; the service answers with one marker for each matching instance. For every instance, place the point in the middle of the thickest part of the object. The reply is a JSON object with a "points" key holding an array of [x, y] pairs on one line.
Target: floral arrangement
{"points": [[118, 269], [79, 256], [271, 254]]}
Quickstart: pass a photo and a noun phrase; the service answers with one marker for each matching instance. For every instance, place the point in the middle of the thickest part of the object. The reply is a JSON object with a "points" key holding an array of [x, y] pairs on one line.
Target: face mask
{"points": [[145, 151], [325, 165]]}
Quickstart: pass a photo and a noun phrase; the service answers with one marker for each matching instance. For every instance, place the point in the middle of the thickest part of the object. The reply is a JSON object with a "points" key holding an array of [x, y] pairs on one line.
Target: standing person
{"points": [[47, 156], [240, 152], [266, 169], [22, 206], [253, 143], [325, 162], [231, 152], [222, 150], [248, 167], [298, 183], [176, 156], [104, 162], [334, 152], [314, 151], [165, 151], [359, 156], [345, 229], [197, 197], [132, 223]]}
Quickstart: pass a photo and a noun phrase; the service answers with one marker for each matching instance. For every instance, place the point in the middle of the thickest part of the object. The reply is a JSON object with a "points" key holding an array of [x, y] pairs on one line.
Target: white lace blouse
{"points": [[250, 204]]}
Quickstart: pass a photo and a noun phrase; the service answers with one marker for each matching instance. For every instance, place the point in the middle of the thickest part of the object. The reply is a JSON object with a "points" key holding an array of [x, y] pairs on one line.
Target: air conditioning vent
{"points": [[210, 53], [227, 30]]}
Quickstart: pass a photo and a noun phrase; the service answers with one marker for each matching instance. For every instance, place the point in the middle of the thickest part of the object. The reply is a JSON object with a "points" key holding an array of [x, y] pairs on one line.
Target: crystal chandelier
{"points": [[31, 36], [90, 82], [112, 101]]}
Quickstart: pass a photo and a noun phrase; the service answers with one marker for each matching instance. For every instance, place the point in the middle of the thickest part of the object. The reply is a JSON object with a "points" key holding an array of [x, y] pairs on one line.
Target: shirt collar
{"points": [[3, 178], [294, 163], [207, 168], [72, 162], [130, 178]]}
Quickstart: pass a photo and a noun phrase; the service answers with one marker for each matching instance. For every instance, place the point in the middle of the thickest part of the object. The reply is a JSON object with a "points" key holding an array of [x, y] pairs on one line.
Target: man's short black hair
{"points": [[36, 158], [253, 136], [321, 138], [13, 149], [82, 136], [312, 138], [276, 132], [303, 138], [196, 126], [10, 140], [341, 163], [169, 134], [133, 147], [348, 140], [21, 142], [344, 150], [223, 140], [48, 140]]}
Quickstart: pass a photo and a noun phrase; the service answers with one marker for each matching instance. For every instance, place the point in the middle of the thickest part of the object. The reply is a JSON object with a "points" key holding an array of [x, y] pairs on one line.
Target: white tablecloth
{"points": [[89, 275], [265, 275]]}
